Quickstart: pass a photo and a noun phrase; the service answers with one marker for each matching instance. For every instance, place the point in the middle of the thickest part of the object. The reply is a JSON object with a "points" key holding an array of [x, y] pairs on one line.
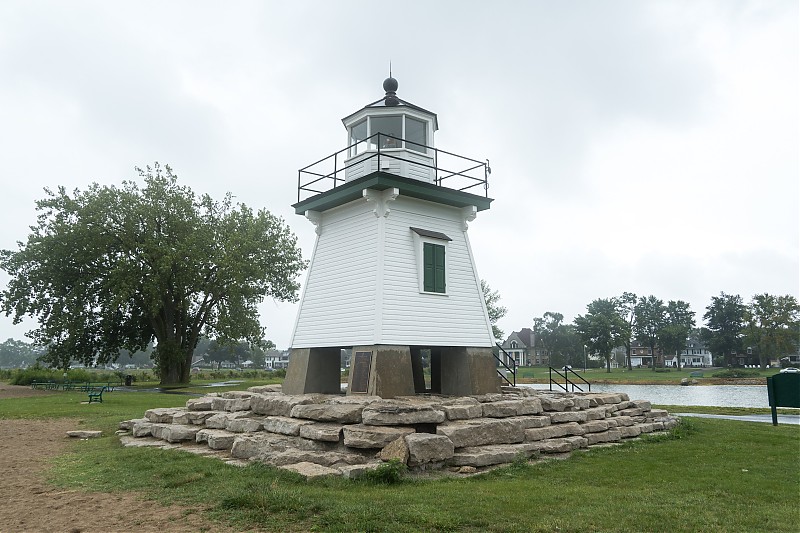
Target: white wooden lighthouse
{"points": [[392, 272]]}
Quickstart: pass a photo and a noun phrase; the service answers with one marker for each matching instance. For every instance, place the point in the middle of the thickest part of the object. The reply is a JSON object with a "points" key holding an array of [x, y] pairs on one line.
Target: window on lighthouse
{"points": [[416, 137], [434, 270], [391, 130]]}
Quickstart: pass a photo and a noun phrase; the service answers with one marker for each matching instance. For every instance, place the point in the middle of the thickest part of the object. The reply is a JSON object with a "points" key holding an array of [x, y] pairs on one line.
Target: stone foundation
{"points": [[327, 434]]}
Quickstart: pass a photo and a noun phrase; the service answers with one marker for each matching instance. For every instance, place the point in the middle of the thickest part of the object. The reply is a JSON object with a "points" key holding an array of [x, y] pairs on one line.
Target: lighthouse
{"points": [[392, 276]]}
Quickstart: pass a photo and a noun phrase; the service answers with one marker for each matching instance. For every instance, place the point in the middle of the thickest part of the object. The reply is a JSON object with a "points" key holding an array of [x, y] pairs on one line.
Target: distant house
{"points": [[641, 355], [695, 354], [521, 348], [276, 359], [518, 346]]}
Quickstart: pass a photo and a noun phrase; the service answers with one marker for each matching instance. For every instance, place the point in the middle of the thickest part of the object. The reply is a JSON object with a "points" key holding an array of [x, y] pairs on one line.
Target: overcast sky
{"points": [[642, 146]]}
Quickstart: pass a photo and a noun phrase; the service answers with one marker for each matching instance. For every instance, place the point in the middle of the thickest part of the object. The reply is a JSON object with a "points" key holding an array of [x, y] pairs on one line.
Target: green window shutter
{"points": [[433, 267], [428, 266], [438, 266]]}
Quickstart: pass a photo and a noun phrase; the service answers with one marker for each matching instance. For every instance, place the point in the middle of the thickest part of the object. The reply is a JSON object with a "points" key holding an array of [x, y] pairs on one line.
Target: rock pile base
{"points": [[323, 434]]}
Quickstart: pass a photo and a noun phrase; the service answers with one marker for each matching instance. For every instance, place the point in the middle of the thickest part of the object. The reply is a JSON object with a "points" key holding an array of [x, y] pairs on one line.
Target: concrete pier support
{"points": [[466, 371], [381, 370], [313, 370]]}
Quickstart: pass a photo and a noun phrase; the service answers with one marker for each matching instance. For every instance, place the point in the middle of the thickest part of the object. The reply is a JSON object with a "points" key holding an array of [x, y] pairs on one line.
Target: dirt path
{"points": [[29, 504]]}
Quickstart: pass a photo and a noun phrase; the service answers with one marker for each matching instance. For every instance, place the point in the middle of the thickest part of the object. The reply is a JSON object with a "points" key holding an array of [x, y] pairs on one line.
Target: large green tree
{"points": [[725, 320], [650, 319], [773, 326], [493, 308], [602, 327], [626, 304], [116, 267], [14, 353], [678, 324]]}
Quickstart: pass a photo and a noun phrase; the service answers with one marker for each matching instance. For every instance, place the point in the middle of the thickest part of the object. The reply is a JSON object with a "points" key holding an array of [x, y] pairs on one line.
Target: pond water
{"points": [[709, 395]]}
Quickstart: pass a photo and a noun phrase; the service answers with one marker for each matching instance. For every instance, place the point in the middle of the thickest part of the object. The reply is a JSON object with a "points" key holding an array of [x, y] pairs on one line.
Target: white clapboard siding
{"points": [[338, 303], [363, 282]]}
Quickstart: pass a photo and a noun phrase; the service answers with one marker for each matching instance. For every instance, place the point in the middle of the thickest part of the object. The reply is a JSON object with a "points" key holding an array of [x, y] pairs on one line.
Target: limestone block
{"points": [[527, 422], [627, 432], [399, 413], [622, 420], [127, 425], [553, 431], [237, 395], [324, 458], [311, 470], [199, 404], [142, 428], [220, 420], [230, 404], [342, 414], [644, 405], [162, 415], [424, 448], [363, 401], [198, 418], [462, 409], [596, 413], [631, 411], [266, 389], [262, 444], [397, 449], [612, 435], [559, 417], [612, 422], [580, 402], [481, 431], [595, 426], [553, 403], [625, 405], [84, 434], [554, 446], [179, 432], [507, 408], [496, 454], [670, 422], [157, 430], [245, 424], [217, 439], [490, 397], [577, 442], [284, 425], [356, 471], [657, 413], [279, 404], [322, 432], [363, 436]]}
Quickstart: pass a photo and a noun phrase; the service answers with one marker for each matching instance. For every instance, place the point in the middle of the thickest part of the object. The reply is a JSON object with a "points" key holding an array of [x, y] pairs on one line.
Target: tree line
{"points": [[766, 328]]}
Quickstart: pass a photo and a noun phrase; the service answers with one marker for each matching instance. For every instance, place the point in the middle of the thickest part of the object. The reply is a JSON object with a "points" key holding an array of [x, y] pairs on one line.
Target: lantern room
{"points": [[398, 130]]}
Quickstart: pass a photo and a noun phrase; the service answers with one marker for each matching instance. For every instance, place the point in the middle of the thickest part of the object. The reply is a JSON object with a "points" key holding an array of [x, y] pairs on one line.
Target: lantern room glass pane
{"points": [[416, 135], [358, 133], [391, 130]]}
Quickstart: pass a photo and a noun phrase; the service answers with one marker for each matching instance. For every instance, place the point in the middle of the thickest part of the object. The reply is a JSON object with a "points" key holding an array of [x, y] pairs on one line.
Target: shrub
{"points": [[386, 474], [737, 373]]}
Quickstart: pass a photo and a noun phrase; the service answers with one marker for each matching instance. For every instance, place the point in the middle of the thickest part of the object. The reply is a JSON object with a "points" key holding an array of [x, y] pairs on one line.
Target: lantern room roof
{"points": [[391, 100]]}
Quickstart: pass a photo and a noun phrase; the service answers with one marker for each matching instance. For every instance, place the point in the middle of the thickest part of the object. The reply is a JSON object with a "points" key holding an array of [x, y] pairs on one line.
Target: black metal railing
{"points": [[567, 381], [512, 369], [462, 173]]}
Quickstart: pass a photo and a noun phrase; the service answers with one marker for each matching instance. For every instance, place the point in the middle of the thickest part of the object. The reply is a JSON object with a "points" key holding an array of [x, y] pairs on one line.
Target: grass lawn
{"points": [[707, 475]]}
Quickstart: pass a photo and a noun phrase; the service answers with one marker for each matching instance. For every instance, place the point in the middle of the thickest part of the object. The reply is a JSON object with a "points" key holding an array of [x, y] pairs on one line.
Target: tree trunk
{"points": [[173, 362], [678, 356], [608, 364]]}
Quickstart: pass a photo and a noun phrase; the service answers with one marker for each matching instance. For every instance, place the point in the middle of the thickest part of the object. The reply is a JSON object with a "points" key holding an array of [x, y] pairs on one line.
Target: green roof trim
{"points": [[381, 181]]}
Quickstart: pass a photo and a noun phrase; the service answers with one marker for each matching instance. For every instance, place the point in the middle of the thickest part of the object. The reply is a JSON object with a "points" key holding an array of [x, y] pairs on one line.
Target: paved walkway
{"points": [[782, 419]]}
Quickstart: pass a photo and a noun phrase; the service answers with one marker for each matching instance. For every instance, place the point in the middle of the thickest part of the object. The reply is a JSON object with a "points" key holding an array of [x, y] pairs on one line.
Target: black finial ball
{"points": [[390, 85]]}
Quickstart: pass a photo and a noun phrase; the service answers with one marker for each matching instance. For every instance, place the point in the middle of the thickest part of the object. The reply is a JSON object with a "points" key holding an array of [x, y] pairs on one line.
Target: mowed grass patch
{"points": [[708, 475]]}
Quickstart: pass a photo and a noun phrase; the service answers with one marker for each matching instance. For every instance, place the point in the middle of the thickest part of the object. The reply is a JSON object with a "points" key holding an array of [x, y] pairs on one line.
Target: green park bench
{"points": [[696, 374], [96, 395], [783, 390]]}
